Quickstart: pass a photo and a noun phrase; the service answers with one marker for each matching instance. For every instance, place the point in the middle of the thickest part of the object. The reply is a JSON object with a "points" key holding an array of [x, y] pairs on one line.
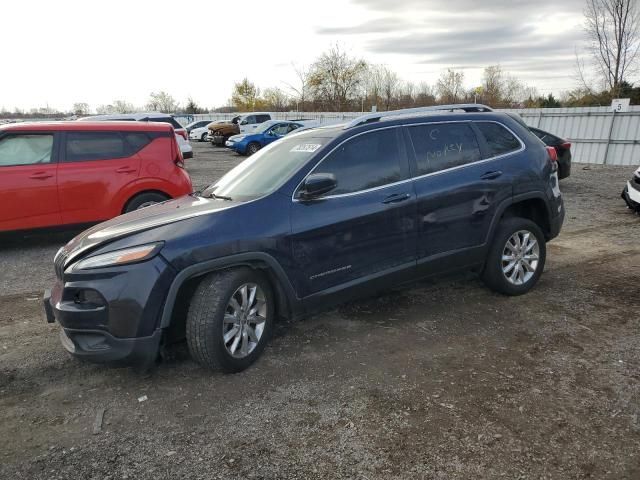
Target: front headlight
{"points": [[119, 257], [238, 138]]}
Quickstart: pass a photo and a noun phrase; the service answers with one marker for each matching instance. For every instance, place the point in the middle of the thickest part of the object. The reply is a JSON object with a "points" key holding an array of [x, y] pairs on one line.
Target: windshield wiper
{"points": [[221, 197]]}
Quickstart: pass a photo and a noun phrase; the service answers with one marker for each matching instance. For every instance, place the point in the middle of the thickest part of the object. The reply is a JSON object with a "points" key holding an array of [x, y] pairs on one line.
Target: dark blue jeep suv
{"points": [[312, 220]]}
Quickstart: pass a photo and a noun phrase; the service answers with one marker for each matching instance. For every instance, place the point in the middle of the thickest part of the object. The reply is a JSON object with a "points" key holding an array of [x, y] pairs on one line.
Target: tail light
{"points": [[566, 145], [183, 134], [178, 159], [553, 158]]}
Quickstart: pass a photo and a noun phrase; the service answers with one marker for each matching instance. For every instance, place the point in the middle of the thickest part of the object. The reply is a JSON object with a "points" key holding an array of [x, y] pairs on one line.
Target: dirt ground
{"points": [[441, 380]]}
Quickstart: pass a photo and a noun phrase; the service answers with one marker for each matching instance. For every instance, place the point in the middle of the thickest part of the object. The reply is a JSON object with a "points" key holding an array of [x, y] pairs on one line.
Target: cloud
{"points": [[536, 39], [381, 25]]}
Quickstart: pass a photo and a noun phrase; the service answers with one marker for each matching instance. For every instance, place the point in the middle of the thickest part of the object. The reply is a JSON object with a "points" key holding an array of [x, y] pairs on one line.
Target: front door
{"points": [[366, 226], [28, 181]]}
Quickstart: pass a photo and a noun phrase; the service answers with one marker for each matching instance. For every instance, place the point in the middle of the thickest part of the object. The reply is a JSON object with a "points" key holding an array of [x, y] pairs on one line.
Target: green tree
{"points": [[245, 95]]}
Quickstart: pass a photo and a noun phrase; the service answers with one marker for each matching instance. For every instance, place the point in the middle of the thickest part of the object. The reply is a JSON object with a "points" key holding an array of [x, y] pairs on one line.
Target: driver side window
{"points": [[281, 129], [366, 161], [26, 149]]}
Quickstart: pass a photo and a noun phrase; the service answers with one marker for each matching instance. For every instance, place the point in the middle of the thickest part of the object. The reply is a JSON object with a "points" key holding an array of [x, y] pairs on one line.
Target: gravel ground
{"points": [[441, 380]]}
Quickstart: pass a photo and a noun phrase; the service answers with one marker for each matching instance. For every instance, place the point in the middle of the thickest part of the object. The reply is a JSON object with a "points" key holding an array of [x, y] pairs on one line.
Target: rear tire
{"points": [[143, 200], [516, 257], [230, 307]]}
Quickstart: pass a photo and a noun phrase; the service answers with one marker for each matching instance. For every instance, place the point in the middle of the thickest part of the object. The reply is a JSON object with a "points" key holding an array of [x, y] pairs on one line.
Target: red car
{"points": [[67, 173]]}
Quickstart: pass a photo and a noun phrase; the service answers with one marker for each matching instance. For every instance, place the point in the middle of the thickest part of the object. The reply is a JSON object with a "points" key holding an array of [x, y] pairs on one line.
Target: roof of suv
{"points": [[409, 118], [132, 116], [87, 126]]}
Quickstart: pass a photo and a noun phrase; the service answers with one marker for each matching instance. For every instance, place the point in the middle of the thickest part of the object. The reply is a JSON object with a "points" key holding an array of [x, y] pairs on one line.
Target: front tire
{"points": [[230, 319], [203, 138], [252, 148], [516, 257]]}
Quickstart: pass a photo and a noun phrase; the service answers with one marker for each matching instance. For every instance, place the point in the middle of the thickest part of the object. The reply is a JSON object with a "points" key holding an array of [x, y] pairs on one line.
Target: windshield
{"points": [[267, 170], [265, 126]]}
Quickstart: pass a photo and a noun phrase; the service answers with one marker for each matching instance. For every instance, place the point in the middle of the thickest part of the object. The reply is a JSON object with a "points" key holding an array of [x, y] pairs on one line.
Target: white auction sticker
{"points": [[306, 147]]}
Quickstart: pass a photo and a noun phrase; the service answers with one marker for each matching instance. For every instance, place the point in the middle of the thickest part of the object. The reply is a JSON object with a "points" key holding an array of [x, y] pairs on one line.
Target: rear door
{"points": [[94, 167], [28, 181], [459, 186], [366, 226]]}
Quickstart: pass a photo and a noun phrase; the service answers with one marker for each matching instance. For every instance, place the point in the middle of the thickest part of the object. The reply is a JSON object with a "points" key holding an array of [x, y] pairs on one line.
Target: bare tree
{"points": [[162, 102], [425, 95], [390, 86], [612, 27], [275, 99], [493, 85], [81, 108], [450, 86], [301, 87], [335, 79], [372, 85], [118, 106]]}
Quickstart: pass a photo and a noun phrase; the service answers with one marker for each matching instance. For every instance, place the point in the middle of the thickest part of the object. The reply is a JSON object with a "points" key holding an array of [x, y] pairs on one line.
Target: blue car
{"points": [[267, 132]]}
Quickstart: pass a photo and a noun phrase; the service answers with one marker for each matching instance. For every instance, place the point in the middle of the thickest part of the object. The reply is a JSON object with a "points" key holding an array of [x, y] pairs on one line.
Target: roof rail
{"points": [[377, 116]]}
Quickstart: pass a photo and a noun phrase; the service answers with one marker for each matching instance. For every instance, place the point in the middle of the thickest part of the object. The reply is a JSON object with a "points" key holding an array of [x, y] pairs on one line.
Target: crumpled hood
{"points": [[147, 218]]}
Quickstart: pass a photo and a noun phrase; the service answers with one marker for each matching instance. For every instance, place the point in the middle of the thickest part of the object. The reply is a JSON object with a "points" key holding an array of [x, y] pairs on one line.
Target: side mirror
{"points": [[318, 184]]}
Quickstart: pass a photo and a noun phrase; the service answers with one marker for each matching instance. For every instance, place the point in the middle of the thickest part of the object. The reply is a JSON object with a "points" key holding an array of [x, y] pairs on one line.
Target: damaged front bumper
{"points": [[631, 195]]}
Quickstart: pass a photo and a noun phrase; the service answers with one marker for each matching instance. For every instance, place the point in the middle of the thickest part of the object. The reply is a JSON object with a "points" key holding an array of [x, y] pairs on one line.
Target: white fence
{"points": [[596, 133]]}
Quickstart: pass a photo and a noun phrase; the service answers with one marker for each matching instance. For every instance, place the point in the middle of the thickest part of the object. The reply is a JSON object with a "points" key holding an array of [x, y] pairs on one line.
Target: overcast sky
{"points": [[65, 51]]}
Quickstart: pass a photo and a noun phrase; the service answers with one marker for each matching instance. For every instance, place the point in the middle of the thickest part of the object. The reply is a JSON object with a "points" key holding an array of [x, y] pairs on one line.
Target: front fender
{"points": [[252, 259]]}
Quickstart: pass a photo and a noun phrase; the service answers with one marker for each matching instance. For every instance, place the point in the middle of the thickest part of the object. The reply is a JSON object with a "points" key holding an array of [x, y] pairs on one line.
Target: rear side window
{"points": [[546, 137], [262, 118], [25, 150], [86, 146], [499, 140], [444, 145], [136, 141], [366, 161]]}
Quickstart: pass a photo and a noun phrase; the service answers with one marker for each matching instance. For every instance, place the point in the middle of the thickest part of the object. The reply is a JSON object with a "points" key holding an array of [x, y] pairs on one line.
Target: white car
{"points": [[180, 131], [250, 121], [199, 134]]}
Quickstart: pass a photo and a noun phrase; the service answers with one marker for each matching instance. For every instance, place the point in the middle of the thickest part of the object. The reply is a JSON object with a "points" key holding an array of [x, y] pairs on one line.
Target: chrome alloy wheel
{"points": [[520, 257], [244, 320]]}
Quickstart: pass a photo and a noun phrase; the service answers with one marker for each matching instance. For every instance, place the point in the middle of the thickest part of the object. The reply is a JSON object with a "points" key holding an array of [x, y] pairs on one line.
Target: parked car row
{"points": [[263, 135]]}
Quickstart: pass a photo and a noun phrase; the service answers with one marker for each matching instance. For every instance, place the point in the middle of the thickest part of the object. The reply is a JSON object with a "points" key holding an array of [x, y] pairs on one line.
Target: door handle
{"points": [[41, 175], [491, 175], [125, 170], [397, 198]]}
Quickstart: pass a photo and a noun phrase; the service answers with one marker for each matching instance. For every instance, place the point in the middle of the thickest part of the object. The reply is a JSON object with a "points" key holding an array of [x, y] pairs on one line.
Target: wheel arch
{"points": [[287, 303], [142, 192], [533, 206]]}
